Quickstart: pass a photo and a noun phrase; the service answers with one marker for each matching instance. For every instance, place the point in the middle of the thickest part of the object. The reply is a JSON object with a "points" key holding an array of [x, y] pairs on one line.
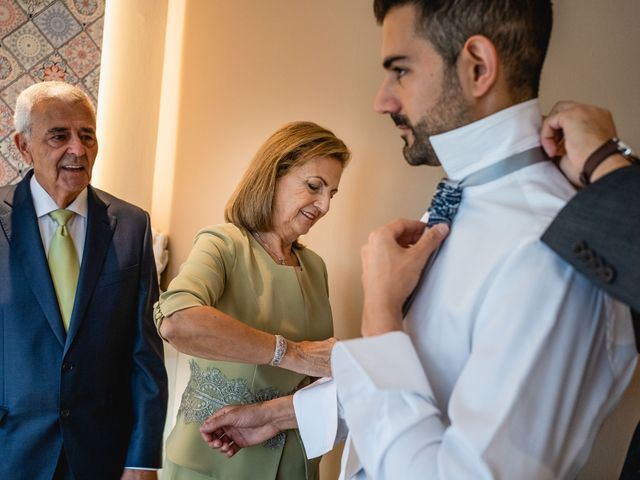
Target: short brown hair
{"points": [[292, 145]]}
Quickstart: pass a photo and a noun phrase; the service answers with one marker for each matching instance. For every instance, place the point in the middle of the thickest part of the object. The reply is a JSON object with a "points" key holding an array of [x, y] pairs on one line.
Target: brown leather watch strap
{"points": [[607, 149]]}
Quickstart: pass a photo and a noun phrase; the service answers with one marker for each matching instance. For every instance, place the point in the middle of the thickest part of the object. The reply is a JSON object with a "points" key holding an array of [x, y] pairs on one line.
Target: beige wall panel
{"points": [[130, 82], [249, 67], [594, 58]]}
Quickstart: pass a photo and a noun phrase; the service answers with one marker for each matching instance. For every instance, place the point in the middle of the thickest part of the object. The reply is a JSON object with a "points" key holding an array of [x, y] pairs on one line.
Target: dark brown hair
{"points": [[519, 29]]}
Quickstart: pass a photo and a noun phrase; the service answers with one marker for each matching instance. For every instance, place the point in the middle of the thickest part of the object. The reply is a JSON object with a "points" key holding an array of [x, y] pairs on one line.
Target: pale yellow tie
{"points": [[63, 265]]}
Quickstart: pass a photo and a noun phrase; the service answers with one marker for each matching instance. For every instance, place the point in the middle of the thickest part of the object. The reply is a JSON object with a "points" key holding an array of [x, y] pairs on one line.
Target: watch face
{"points": [[623, 148]]}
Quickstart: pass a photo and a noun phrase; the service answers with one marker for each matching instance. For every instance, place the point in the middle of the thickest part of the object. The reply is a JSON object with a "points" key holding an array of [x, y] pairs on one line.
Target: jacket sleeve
{"points": [[598, 233], [149, 377]]}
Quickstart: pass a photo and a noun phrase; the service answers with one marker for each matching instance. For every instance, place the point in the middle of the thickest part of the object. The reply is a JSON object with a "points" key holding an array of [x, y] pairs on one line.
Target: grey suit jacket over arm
{"points": [[598, 232]]}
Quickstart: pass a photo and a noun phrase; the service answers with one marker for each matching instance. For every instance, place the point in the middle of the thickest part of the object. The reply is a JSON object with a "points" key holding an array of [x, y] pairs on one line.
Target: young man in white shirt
{"points": [[508, 360]]}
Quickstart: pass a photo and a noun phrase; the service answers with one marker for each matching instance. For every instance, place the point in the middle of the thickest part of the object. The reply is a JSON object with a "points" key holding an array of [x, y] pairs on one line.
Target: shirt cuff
{"points": [[388, 361], [316, 410]]}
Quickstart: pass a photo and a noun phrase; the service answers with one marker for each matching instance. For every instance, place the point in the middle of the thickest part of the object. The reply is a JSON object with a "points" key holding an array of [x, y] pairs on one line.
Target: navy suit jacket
{"points": [[598, 232], [99, 390]]}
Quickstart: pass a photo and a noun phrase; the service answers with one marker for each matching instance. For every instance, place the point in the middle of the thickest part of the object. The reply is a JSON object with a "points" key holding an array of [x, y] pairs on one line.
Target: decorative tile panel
{"points": [[95, 31], [54, 68], [9, 151], [28, 45], [11, 16], [10, 154], [44, 40], [10, 69], [33, 7], [81, 54], [57, 24], [10, 93], [8, 173], [91, 82], [86, 11], [6, 119]]}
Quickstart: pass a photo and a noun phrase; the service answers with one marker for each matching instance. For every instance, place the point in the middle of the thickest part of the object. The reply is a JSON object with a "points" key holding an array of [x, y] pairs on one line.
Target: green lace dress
{"points": [[228, 269]]}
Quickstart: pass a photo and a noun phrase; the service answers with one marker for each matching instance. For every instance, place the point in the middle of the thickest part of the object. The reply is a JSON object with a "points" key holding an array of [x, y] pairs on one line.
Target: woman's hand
{"points": [[308, 357]]}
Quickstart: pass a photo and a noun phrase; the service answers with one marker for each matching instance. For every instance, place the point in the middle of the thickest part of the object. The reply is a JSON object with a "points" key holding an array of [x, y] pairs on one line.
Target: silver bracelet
{"points": [[278, 353]]}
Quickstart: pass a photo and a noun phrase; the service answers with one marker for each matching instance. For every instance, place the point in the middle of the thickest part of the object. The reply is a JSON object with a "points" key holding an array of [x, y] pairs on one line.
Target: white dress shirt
{"points": [[511, 360], [77, 225]]}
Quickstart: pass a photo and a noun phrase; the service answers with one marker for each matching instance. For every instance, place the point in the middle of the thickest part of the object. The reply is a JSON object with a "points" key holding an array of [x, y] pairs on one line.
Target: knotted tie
{"points": [[63, 265], [448, 196], [446, 200], [445, 203]]}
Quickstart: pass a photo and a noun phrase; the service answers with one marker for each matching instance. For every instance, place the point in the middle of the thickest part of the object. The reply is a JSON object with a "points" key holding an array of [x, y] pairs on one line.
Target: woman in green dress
{"points": [[251, 305]]}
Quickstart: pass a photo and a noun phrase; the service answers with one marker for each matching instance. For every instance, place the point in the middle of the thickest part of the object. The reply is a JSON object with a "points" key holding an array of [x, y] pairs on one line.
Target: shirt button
{"points": [[65, 412]]}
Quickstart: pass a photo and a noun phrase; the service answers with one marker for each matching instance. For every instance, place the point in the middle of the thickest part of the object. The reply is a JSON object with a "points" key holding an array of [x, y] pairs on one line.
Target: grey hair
{"points": [[39, 92]]}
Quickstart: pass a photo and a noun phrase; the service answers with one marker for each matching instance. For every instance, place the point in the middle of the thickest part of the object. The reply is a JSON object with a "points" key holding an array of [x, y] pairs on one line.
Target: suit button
{"points": [[587, 256], [579, 247], [65, 412], [68, 366], [607, 274]]}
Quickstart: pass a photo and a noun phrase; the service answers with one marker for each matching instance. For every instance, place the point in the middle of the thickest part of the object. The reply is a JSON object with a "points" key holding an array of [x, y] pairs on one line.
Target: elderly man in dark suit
{"points": [[83, 388], [598, 231]]}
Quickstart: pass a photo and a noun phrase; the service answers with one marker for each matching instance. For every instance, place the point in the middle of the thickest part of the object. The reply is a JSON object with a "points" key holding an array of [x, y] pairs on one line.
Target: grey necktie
{"points": [[448, 196]]}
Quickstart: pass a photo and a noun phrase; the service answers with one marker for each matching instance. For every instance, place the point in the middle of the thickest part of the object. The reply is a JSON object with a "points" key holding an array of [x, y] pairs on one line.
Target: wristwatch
{"points": [[608, 148]]}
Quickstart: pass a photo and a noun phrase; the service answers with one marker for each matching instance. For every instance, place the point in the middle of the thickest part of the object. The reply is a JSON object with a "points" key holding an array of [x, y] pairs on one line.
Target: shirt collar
{"points": [[44, 204], [482, 143]]}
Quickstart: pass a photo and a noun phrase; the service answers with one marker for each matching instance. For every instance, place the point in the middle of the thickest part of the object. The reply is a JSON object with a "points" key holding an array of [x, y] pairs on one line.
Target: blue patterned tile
{"points": [[57, 24], [28, 45]]}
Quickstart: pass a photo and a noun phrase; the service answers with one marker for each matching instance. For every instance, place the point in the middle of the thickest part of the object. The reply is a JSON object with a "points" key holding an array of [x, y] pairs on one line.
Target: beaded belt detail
{"points": [[209, 390]]}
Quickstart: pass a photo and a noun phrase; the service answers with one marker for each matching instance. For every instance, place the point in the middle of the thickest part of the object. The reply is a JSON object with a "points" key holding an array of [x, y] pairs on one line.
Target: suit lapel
{"points": [[100, 228], [26, 241]]}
